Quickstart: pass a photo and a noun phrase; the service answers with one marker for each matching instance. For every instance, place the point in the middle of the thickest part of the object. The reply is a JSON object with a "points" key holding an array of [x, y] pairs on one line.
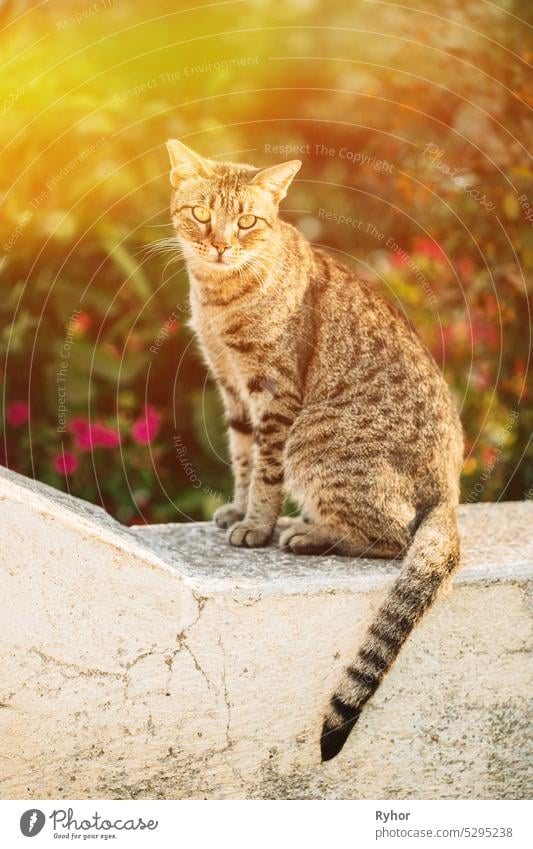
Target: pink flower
{"points": [[65, 463], [399, 259], [484, 333], [17, 413], [97, 435], [429, 248], [145, 429], [82, 322], [466, 267]]}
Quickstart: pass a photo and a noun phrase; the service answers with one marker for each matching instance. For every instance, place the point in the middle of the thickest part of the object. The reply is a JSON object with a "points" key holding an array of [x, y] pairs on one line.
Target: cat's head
{"points": [[223, 213]]}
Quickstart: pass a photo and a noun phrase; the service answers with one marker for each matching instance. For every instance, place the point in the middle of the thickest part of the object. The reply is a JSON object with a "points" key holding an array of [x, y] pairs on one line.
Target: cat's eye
{"points": [[246, 221], [201, 213]]}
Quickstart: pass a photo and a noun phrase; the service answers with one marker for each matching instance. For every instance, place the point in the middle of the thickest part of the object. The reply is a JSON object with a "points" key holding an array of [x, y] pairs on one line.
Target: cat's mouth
{"points": [[219, 262], [223, 262]]}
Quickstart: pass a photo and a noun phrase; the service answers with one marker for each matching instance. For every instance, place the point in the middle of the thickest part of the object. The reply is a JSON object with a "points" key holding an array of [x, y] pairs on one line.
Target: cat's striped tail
{"points": [[430, 560]]}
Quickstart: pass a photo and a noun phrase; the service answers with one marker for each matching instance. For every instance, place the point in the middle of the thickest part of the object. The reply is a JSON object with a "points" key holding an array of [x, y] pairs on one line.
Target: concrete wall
{"points": [[158, 663]]}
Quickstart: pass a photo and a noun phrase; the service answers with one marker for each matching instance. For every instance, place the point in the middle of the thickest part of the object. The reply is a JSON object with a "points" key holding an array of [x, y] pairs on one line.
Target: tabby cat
{"points": [[331, 399]]}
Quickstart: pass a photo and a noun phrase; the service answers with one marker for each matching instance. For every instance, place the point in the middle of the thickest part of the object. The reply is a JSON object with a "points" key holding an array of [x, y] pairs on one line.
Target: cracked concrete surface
{"points": [[159, 663]]}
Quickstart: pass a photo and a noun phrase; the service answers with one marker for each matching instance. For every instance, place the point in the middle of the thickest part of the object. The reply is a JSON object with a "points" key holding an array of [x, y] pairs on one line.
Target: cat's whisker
{"points": [[145, 226], [256, 274], [167, 240], [275, 265], [160, 246], [263, 271], [169, 262]]}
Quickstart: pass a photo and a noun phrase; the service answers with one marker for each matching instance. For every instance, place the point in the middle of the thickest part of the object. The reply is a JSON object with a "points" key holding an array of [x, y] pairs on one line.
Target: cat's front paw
{"points": [[249, 534], [227, 515]]}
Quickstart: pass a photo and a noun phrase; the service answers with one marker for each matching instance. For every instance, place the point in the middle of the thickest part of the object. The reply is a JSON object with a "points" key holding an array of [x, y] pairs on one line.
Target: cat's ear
{"points": [[185, 163], [277, 178]]}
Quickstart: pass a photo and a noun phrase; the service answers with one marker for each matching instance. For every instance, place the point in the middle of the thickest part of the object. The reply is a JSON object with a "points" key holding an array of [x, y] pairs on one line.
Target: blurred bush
{"points": [[412, 126]]}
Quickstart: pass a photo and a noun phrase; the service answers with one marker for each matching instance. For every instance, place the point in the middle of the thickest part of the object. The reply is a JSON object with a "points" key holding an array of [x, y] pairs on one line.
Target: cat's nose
{"points": [[221, 247]]}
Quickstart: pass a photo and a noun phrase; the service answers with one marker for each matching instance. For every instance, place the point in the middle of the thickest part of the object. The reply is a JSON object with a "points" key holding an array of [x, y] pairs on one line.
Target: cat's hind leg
{"points": [[313, 538]]}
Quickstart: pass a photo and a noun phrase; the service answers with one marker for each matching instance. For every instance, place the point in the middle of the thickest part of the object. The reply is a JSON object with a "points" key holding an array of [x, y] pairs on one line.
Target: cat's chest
{"points": [[236, 347]]}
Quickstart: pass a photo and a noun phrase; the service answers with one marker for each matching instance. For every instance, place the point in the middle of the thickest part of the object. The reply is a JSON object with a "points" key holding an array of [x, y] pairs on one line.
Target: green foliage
{"points": [[410, 123]]}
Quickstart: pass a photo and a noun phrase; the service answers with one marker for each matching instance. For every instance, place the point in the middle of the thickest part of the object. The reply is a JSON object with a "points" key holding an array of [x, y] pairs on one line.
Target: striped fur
{"points": [[330, 397], [431, 559]]}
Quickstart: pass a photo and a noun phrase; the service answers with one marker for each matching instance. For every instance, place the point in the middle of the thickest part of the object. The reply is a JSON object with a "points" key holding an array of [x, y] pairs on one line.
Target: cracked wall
{"points": [[126, 672]]}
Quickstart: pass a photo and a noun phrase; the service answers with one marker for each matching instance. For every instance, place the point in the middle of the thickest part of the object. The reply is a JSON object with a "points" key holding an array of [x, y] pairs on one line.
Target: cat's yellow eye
{"points": [[246, 221], [201, 213]]}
